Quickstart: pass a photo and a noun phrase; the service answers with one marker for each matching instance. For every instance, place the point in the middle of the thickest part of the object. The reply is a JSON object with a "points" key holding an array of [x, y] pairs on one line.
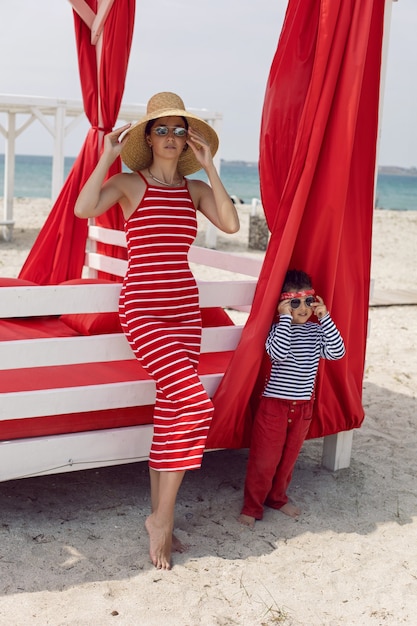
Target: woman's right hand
{"points": [[113, 144], [96, 196]]}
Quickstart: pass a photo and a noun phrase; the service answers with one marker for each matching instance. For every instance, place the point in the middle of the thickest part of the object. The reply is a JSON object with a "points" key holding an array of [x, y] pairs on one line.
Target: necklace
{"points": [[162, 182]]}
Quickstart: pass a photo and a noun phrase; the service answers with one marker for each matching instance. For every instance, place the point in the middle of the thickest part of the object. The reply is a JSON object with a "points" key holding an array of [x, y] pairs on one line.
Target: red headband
{"points": [[289, 295]]}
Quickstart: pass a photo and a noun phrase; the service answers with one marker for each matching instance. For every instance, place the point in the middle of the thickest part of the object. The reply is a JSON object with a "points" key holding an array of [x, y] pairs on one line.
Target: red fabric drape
{"points": [[317, 169], [58, 252]]}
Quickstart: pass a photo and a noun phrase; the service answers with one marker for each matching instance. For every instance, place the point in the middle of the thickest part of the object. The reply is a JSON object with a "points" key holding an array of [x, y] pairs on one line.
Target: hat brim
{"points": [[137, 155]]}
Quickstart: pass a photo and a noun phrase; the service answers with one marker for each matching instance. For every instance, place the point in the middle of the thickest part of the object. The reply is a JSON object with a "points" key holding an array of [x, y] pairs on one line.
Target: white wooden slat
{"points": [[107, 235], [37, 456], [220, 338], [54, 454], [98, 348], [239, 264], [39, 403], [103, 263], [248, 265], [27, 404], [64, 351], [226, 293], [58, 299]]}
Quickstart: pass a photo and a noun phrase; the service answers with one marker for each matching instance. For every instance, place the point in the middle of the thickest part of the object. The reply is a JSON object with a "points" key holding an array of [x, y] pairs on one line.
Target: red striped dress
{"points": [[160, 316]]}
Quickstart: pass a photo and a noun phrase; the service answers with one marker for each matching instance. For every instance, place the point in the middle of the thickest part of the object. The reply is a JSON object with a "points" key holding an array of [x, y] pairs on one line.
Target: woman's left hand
{"points": [[200, 147]]}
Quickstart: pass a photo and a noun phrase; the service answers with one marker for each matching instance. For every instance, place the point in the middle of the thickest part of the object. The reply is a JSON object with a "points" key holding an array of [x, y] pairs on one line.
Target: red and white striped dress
{"points": [[160, 316]]}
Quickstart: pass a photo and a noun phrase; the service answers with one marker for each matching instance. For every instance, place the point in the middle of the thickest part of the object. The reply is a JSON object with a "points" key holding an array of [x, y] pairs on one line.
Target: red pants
{"points": [[279, 431]]}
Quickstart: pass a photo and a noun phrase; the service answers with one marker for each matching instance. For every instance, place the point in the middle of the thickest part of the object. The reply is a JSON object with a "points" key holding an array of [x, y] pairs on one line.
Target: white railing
{"points": [[54, 395]]}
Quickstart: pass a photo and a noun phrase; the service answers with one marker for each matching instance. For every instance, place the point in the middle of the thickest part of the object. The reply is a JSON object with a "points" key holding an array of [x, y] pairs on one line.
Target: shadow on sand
{"points": [[52, 524]]}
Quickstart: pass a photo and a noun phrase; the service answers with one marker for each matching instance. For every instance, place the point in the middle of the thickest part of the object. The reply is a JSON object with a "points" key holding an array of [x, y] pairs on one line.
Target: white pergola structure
{"points": [[59, 117]]}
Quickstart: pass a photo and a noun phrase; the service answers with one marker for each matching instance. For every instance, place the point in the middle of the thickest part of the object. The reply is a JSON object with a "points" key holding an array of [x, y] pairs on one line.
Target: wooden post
{"points": [[9, 167], [211, 230], [58, 156], [337, 450]]}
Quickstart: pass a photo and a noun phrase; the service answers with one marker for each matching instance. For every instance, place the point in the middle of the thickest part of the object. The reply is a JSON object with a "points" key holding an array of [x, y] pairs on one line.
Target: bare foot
{"points": [[177, 545], [160, 543], [247, 520], [290, 509]]}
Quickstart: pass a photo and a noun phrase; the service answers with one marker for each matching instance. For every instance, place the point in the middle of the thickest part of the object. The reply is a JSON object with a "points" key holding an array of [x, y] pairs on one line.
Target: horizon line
{"points": [[250, 162]]}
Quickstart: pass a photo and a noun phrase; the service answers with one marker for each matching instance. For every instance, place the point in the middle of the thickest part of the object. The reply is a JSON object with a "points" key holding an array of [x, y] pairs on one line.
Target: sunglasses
{"points": [[162, 131], [296, 302]]}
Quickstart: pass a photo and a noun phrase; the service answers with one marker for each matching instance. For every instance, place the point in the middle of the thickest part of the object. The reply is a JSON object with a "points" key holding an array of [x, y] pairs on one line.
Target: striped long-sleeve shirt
{"points": [[295, 351]]}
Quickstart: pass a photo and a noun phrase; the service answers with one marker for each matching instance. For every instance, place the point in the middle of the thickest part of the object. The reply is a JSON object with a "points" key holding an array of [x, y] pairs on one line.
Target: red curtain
{"points": [[58, 252], [317, 171]]}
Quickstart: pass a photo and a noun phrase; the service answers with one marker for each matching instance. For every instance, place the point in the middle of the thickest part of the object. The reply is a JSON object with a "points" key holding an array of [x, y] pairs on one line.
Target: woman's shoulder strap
{"points": [[143, 177]]}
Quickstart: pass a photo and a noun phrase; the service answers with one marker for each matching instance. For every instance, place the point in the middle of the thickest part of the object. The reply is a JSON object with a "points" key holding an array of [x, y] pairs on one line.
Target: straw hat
{"points": [[138, 155]]}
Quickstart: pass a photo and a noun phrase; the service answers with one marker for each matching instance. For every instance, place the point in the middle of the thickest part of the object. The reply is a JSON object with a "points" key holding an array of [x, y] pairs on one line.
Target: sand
{"points": [[74, 551]]}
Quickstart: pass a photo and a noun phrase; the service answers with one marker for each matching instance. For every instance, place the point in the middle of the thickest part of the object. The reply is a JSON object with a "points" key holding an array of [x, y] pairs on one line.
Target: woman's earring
{"points": [[185, 148]]}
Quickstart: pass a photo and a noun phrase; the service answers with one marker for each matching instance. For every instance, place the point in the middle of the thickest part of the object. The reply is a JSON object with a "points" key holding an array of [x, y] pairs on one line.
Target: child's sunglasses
{"points": [[296, 302], [162, 131], [295, 297]]}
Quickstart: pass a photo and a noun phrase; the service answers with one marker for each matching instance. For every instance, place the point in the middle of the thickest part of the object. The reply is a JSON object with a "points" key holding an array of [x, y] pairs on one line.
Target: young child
{"points": [[295, 345]]}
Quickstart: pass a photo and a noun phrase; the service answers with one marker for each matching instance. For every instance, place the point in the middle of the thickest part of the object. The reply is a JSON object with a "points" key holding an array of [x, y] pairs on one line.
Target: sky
{"points": [[216, 54]]}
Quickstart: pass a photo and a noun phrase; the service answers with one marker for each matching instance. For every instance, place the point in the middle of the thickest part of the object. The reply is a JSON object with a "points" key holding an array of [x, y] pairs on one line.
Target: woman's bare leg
{"points": [[160, 524], [177, 545]]}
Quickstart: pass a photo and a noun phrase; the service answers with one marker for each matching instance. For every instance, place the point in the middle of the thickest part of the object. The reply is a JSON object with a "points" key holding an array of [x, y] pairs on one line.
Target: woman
{"points": [[159, 308]]}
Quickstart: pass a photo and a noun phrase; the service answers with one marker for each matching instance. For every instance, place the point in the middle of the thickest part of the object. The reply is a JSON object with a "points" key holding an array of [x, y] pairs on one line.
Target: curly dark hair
{"points": [[296, 280]]}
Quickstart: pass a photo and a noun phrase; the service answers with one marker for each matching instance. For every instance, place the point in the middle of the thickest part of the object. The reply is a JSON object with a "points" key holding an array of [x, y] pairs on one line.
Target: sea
{"points": [[396, 188]]}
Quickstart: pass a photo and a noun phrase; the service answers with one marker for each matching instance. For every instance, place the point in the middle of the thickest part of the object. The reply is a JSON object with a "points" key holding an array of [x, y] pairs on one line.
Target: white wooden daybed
{"points": [[70, 401]]}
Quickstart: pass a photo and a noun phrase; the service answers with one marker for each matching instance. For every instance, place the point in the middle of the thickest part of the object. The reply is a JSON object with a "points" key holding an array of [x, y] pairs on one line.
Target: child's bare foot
{"points": [[160, 543], [290, 509], [247, 520]]}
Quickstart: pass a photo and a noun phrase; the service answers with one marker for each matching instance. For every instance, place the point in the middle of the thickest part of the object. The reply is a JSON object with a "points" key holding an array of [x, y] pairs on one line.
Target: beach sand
{"points": [[74, 551]]}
